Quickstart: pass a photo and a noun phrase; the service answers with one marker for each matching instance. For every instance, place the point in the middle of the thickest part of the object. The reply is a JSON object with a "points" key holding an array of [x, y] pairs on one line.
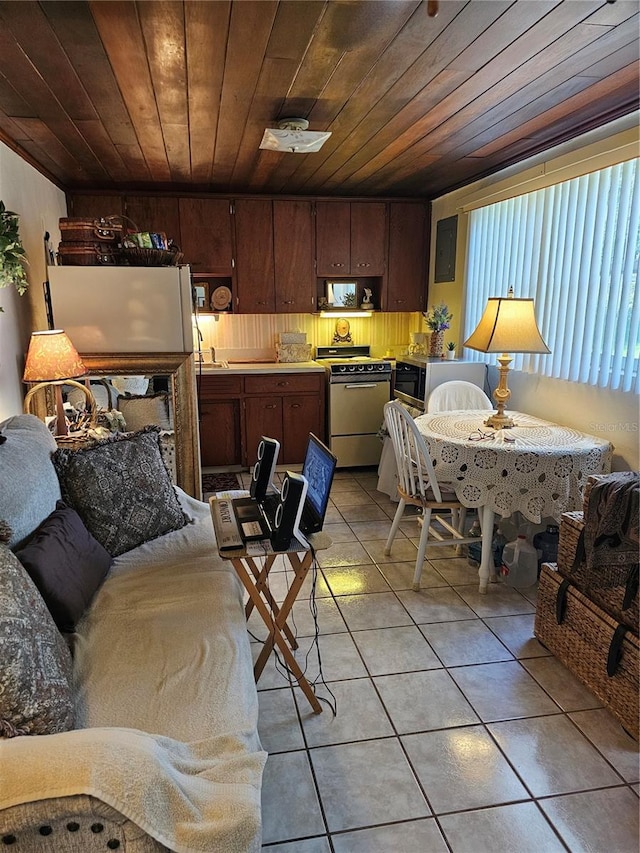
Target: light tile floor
{"points": [[455, 730]]}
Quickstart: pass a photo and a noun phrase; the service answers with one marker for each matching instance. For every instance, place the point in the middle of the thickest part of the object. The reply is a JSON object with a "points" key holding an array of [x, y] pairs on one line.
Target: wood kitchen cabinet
{"points": [[254, 291], [293, 250], [95, 206], [405, 288], [155, 214], [351, 238], [286, 407], [221, 420], [206, 228]]}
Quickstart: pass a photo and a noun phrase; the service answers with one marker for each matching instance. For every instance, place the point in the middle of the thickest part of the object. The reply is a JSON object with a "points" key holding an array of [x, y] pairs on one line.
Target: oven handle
{"points": [[363, 385]]}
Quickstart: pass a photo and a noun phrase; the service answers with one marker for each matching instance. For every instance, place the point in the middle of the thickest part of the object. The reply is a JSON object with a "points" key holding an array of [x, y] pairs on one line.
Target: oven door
{"points": [[410, 383], [355, 416]]}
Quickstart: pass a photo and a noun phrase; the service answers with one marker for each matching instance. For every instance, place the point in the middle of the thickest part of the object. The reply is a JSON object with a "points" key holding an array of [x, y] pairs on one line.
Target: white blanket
{"points": [[193, 798], [166, 702]]}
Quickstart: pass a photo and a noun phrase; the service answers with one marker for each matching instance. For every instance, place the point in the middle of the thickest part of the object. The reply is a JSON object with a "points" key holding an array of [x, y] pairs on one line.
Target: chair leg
{"points": [[394, 526], [422, 549], [460, 527]]}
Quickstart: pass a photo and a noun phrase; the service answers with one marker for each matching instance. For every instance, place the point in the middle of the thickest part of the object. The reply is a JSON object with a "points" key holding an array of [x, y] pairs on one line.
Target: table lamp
{"points": [[507, 325], [53, 360]]}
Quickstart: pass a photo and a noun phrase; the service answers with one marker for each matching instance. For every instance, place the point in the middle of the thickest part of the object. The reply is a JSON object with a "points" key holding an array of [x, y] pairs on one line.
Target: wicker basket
{"points": [[609, 598], [583, 642], [137, 257]]}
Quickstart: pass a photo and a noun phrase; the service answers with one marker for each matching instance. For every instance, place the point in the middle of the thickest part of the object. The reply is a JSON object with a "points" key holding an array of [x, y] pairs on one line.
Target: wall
{"points": [[383, 332], [40, 204], [593, 410]]}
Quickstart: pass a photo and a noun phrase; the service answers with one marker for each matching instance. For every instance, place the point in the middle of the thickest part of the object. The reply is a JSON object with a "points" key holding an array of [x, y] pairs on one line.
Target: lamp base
{"points": [[499, 421]]}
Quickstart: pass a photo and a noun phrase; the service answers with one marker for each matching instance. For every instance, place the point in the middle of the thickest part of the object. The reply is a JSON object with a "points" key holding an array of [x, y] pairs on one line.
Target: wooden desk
{"points": [[538, 468], [252, 565]]}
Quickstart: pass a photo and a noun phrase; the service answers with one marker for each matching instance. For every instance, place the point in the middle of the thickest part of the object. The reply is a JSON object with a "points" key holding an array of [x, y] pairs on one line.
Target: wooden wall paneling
{"points": [[206, 33], [95, 205], [251, 23], [163, 31], [119, 28]]}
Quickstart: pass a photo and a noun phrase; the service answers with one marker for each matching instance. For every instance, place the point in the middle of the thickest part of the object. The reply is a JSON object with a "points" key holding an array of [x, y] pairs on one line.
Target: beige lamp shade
{"points": [[507, 325], [52, 357]]}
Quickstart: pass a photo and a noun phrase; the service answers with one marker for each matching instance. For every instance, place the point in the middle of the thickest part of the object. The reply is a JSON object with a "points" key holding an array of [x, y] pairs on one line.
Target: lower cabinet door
{"points": [[220, 432], [300, 416], [263, 416]]}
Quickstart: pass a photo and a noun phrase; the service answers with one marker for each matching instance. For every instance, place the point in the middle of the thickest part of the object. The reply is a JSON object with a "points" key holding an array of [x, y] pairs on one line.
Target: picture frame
{"points": [[342, 294]]}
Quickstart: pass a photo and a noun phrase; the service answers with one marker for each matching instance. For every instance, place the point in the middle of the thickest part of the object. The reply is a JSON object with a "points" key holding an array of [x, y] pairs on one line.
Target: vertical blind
{"points": [[573, 248]]}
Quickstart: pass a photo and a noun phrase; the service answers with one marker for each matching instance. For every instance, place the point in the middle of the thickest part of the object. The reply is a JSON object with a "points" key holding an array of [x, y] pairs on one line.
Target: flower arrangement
{"points": [[439, 318], [12, 255]]}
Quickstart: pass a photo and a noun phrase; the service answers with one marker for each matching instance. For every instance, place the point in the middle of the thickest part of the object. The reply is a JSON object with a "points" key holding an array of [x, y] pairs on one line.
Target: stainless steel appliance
{"points": [[359, 386], [417, 376]]}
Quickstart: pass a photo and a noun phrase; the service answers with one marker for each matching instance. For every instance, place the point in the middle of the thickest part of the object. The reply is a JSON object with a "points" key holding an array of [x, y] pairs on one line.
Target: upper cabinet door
{"points": [[408, 256], [95, 206], [254, 279], [368, 238], [333, 238], [155, 214], [293, 247], [207, 242]]}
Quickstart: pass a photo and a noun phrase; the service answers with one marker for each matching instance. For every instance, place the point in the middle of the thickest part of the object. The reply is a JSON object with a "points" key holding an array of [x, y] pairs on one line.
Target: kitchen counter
{"points": [[260, 367]]}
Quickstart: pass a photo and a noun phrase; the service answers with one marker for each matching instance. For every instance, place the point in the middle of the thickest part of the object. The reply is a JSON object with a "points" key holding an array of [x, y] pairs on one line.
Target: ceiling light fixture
{"points": [[291, 136]]}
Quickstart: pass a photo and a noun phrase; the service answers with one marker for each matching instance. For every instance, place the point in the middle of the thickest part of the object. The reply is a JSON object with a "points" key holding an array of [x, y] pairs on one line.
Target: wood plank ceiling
{"points": [[175, 96]]}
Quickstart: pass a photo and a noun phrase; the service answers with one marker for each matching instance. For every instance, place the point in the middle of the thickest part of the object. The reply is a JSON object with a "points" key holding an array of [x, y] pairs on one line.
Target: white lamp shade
{"points": [[52, 357], [507, 325]]}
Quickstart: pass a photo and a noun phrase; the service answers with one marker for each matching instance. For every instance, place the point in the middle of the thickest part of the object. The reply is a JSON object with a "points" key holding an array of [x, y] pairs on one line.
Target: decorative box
{"points": [[291, 353], [598, 650], [292, 337]]}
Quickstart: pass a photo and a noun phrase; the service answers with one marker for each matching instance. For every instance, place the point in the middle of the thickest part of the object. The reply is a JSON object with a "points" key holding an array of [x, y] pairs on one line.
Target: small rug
{"points": [[219, 483]]}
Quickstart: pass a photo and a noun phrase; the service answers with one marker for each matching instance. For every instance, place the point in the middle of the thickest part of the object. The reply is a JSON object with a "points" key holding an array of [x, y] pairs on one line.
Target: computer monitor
{"points": [[318, 468]]}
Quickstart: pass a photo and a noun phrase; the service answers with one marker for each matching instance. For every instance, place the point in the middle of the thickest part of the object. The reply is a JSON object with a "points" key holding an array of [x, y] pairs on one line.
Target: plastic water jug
{"points": [[520, 562]]}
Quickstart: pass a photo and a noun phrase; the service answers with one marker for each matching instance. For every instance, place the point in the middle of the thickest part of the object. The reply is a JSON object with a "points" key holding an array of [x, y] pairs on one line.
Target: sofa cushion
{"points": [[138, 411], [121, 489], [66, 564], [35, 664], [25, 460]]}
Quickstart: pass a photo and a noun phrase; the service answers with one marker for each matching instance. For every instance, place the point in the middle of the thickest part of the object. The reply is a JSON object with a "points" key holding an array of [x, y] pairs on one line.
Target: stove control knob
{"points": [[370, 367], [343, 368], [361, 368]]}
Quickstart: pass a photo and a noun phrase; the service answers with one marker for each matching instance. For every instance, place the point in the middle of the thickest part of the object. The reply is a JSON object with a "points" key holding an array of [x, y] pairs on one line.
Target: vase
{"points": [[436, 344]]}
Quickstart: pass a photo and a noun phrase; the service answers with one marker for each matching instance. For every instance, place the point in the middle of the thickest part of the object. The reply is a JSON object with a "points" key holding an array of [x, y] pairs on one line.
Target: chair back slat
{"points": [[415, 469]]}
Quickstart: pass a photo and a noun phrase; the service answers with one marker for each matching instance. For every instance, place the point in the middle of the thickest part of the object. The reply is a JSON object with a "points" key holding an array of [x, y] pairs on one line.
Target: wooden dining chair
{"points": [[457, 394], [418, 486]]}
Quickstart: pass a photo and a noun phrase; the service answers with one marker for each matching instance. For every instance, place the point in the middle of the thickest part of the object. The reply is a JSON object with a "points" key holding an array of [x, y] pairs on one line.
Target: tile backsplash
{"points": [[383, 332]]}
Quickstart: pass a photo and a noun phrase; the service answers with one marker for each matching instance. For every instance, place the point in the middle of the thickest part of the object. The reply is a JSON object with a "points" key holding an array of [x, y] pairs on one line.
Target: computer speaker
{"points": [[286, 521], [265, 468]]}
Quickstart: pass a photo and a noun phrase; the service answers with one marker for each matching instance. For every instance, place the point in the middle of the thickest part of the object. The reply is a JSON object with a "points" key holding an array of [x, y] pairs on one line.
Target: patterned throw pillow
{"points": [[121, 490], [35, 664], [139, 411]]}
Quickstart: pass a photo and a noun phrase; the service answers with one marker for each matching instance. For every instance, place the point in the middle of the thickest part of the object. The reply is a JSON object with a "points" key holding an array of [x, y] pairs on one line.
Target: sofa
{"points": [[128, 707]]}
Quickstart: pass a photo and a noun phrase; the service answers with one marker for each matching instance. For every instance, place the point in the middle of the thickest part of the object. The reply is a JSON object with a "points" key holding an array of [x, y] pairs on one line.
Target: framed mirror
{"points": [[179, 371]]}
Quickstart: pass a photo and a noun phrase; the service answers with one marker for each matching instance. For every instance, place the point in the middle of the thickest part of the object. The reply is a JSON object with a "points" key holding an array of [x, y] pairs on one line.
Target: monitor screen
{"points": [[319, 466]]}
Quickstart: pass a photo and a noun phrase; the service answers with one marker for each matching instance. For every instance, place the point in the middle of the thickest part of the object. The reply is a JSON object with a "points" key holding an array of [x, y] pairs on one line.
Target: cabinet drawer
{"points": [[278, 383], [221, 386]]}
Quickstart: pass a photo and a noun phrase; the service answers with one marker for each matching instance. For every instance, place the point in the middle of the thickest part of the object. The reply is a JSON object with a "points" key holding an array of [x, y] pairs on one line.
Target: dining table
{"points": [[537, 468]]}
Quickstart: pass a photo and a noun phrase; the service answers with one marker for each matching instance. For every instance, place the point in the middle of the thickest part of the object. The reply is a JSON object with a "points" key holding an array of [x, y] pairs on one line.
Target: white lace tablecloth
{"points": [[541, 473]]}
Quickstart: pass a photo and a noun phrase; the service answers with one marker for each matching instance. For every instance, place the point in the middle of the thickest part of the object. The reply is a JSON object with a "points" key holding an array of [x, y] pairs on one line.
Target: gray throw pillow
{"points": [[35, 663], [121, 490]]}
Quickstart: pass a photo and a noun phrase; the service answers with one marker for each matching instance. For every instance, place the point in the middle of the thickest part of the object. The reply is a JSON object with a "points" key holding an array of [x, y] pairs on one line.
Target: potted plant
{"points": [[12, 254], [438, 321], [451, 350]]}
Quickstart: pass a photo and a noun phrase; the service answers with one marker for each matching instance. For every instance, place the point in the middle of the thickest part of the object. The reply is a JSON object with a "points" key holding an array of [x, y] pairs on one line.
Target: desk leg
{"points": [[275, 626], [486, 561], [261, 576]]}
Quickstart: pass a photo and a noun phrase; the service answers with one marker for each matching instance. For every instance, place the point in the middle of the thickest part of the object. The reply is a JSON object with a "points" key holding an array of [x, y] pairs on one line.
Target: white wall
{"points": [[39, 204], [597, 411]]}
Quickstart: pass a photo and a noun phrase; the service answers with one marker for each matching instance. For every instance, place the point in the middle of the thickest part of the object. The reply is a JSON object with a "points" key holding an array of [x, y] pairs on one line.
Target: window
{"points": [[572, 247]]}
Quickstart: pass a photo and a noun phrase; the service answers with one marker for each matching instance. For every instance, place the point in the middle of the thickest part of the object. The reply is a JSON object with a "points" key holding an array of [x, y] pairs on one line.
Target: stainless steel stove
{"points": [[359, 386]]}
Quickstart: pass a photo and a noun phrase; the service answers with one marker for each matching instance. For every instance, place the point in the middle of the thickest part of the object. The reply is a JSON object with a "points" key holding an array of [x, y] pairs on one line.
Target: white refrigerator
{"points": [[118, 309]]}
